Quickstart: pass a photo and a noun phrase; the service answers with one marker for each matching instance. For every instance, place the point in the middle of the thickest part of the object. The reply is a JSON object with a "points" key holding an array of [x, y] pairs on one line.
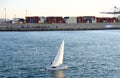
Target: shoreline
{"points": [[58, 27]]}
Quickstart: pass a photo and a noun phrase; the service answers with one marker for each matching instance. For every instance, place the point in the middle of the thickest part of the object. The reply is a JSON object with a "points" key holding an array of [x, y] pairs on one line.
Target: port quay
{"points": [[35, 23], [50, 27]]}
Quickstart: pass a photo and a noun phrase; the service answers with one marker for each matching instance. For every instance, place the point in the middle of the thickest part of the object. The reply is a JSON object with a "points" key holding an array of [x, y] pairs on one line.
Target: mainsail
{"points": [[59, 57]]}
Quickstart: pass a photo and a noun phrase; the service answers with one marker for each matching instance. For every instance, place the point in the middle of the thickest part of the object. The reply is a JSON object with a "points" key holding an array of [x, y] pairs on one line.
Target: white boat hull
{"points": [[57, 68]]}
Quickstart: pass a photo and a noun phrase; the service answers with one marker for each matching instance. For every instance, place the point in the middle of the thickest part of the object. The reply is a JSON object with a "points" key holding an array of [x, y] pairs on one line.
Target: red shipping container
{"points": [[59, 20], [54, 20], [34, 19], [79, 20]]}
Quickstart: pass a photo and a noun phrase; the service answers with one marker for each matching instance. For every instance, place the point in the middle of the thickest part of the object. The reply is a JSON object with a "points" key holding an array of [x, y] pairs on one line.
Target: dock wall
{"points": [[50, 27]]}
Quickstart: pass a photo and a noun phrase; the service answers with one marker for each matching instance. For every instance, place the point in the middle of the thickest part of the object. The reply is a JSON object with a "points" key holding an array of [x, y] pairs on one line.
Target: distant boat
{"points": [[57, 63]]}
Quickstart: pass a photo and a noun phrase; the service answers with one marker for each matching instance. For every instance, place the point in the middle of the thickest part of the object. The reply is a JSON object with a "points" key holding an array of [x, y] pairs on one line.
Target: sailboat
{"points": [[57, 63]]}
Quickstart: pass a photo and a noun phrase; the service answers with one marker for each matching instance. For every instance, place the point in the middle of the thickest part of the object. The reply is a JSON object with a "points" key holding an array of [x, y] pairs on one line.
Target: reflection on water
{"points": [[58, 74]]}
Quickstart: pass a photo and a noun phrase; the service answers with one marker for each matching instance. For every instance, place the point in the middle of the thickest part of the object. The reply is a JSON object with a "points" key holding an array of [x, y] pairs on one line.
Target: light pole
{"points": [[5, 14], [26, 12]]}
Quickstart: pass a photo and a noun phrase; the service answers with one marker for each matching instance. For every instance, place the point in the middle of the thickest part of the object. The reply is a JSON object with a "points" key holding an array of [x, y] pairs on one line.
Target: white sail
{"points": [[59, 57]]}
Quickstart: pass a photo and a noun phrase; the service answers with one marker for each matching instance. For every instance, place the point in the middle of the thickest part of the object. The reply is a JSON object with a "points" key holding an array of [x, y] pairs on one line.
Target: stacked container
{"points": [[42, 19], [60, 20], [70, 20], [86, 19], [50, 20], [106, 20], [114, 19], [54, 20], [79, 19], [34, 19]]}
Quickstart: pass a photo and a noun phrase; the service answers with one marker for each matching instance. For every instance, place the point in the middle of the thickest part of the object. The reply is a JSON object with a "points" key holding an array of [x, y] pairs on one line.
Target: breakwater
{"points": [[50, 27]]}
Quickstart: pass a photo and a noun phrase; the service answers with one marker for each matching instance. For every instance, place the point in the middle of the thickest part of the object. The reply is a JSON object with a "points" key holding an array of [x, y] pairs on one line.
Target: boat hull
{"points": [[58, 68]]}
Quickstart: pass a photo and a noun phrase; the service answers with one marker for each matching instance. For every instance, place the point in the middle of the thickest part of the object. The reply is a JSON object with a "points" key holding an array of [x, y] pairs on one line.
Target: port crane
{"points": [[116, 11]]}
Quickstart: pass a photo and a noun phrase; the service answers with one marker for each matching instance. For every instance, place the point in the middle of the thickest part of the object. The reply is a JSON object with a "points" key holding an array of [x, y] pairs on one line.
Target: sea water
{"points": [[89, 54]]}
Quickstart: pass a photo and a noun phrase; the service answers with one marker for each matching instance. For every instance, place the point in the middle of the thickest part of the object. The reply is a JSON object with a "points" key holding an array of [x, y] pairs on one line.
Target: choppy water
{"points": [[89, 54]]}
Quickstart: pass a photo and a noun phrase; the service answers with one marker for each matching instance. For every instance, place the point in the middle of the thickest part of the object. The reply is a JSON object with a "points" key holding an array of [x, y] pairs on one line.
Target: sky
{"points": [[21, 8]]}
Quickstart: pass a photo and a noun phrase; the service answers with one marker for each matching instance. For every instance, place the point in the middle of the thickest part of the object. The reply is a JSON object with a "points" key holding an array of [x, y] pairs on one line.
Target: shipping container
{"points": [[70, 20], [100, 20], [54, 20], [60, 20], [114, 19], [86, 19], [106, 20], [79, 19], [50, 20], [42, 19], [33, 19]]}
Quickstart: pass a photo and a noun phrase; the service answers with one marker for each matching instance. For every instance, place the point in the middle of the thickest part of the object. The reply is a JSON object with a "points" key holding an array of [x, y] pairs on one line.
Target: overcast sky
{"points": [[17, 8]]}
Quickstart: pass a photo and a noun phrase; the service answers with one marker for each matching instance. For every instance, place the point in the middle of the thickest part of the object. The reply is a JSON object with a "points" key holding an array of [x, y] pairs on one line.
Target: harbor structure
{"points": [[62, 20], [71, 20]]}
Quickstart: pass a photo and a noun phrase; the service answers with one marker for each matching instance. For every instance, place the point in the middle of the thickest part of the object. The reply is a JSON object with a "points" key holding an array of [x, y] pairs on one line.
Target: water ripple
{"points": [[89, 54]]}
